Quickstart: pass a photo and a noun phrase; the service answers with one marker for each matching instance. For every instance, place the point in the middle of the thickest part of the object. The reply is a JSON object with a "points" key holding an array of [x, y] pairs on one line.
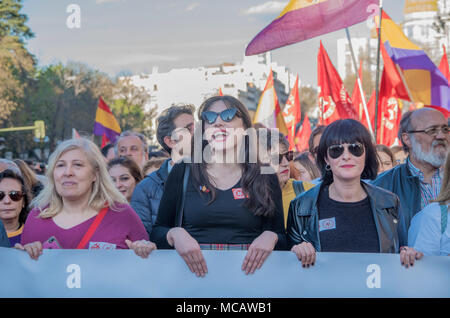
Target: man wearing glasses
{"points": [[175, 127], [425, 135]]}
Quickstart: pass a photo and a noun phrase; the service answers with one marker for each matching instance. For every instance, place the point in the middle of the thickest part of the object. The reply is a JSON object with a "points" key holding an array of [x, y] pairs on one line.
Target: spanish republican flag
{"points": [[424, 80], [105, 122], [304, 19], [269, 111], [334, 102], [292, 114]]}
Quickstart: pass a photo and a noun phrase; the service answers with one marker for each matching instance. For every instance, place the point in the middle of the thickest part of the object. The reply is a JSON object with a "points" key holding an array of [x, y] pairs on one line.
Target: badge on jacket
{"points": [[327, 224]]}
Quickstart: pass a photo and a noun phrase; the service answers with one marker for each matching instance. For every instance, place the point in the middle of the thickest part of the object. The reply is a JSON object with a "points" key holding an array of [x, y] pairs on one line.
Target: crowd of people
{"points": [[343, 194]]}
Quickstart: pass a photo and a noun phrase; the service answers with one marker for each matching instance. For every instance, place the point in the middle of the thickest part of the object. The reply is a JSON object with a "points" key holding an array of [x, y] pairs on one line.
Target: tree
{"points": [[128, 105], [16, 63]]}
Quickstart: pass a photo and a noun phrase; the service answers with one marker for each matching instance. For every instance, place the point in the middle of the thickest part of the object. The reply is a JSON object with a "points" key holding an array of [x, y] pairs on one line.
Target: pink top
{"points": [[115, 228]]}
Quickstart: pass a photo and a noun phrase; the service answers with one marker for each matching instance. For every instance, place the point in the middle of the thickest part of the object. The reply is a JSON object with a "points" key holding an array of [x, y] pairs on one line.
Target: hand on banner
{"points": [[408, 255], [33, 249], [142, 248], [258, 251], [188, 249], [305, 253]]}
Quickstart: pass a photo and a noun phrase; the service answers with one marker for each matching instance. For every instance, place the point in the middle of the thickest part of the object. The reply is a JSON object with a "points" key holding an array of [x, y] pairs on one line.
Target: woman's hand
{"points": [[408, 255], [258, 251], [142, 248], [33, 249], [305, 253], [188, 249]]}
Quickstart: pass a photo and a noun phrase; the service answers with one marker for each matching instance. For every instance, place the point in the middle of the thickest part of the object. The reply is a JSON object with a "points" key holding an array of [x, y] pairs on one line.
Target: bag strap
{"points": [[179, 216], [87, 236], [443, 217]]}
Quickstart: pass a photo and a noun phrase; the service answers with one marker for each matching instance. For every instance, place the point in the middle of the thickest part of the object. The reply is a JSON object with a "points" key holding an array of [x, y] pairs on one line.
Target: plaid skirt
{"points": [[225, 247]]}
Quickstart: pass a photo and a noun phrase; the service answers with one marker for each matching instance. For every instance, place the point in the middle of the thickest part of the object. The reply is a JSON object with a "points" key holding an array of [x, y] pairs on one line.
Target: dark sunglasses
{"points": [[13, 195], [356, 149], [227, 115], [289, 156]]}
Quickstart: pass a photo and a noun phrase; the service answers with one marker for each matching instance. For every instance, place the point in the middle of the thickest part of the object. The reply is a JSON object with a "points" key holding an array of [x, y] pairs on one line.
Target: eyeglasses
{"points": [[356, 149], [13, 195], [289, 157], [227, 115], [431, 131]]}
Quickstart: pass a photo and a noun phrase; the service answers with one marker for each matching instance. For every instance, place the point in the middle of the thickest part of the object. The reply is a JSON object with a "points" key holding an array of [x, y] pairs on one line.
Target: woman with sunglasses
{"points": [[229, 203], [344, 213], [13, 204]]}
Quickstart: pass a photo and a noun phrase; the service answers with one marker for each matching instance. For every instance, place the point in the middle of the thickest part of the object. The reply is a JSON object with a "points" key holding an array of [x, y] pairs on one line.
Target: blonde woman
{"points": [[81, 208], [429, 232]]}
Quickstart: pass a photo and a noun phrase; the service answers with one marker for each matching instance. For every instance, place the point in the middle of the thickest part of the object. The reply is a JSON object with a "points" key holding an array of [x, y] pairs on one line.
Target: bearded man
{"points": [[425, 135]]}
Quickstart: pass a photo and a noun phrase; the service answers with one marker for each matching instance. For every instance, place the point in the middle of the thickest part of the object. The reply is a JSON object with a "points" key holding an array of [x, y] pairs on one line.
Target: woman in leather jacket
{"points": [[344, 213]]}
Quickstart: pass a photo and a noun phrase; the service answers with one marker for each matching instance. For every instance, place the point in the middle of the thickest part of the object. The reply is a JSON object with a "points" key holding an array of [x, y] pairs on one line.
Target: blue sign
{"points": [[120, 273]]}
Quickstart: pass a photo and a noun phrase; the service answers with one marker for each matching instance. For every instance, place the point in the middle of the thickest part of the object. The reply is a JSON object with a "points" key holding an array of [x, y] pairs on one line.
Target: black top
{"points": [[224, 221], [346, 227]]}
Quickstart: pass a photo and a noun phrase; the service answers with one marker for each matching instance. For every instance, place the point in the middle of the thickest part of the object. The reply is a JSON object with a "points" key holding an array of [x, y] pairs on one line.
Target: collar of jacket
{"points": [[379, 198], [163, 171]]}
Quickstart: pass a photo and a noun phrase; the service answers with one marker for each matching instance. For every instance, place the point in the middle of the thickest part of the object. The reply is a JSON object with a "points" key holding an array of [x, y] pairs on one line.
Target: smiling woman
{"points": [[78, 199]]}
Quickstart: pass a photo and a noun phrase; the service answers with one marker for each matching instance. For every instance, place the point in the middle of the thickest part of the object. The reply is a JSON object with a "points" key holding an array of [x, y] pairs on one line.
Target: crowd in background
{"points": [[343, 194]]}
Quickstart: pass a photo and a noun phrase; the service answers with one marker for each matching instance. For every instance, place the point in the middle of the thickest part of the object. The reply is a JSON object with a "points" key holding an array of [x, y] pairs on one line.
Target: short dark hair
{"points": [[130, 164], [165, 122], [105, 149], [405, 125], [316, 131], [347, 131]]}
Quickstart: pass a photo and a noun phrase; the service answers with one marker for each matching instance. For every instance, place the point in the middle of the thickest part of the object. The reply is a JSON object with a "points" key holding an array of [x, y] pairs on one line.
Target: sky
{"points": [[134, 36]]}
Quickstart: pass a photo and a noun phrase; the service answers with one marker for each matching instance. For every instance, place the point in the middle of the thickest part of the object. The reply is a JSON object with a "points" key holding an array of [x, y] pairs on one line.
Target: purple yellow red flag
{"points": [[424, 81], [269, 111], [334, 102], [105, 122], [292, 114], [304, 19]]}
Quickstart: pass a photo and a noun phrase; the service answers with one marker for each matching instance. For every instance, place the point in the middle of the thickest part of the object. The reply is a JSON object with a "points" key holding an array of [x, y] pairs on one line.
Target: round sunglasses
{"points": [[13, 195], [226, 115], [356, 149]]}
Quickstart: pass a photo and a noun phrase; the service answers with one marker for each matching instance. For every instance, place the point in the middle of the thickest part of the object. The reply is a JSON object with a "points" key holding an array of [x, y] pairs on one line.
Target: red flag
{"points": [[105, 140], [220, 91], [302, 138], [370, 110], [443, 66], [396, 85], [334, 102], [268, 111], [75, 134], [389, 113], [357, 99], [292, 114]]}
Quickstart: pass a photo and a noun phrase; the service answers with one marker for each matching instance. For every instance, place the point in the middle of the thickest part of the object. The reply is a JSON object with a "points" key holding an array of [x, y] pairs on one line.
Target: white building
{"points": [[193, 85], [344, 57]]}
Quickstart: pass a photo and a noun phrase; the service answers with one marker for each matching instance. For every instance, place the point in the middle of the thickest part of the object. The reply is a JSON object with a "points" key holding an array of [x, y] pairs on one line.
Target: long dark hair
{"points": [[10, 174], [254, 184], [347, 131]]}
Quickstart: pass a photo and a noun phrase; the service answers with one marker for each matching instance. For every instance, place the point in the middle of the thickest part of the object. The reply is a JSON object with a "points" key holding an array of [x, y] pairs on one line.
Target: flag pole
{"points": [[359, 80], [377, 86]]}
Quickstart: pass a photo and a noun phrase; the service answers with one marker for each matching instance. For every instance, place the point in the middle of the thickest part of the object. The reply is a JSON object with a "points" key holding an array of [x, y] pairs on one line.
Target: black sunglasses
{"points": [[356, 149], [227, 115], [289, 156], [13, 195]]}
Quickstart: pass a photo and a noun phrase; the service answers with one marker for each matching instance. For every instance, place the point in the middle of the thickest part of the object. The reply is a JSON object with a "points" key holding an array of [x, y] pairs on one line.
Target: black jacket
{"points": [[400, 181], [303, 223]]}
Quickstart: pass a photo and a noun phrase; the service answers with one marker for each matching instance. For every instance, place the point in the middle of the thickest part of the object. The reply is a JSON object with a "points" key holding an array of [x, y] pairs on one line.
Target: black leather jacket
{"points": [[303, 223]]}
